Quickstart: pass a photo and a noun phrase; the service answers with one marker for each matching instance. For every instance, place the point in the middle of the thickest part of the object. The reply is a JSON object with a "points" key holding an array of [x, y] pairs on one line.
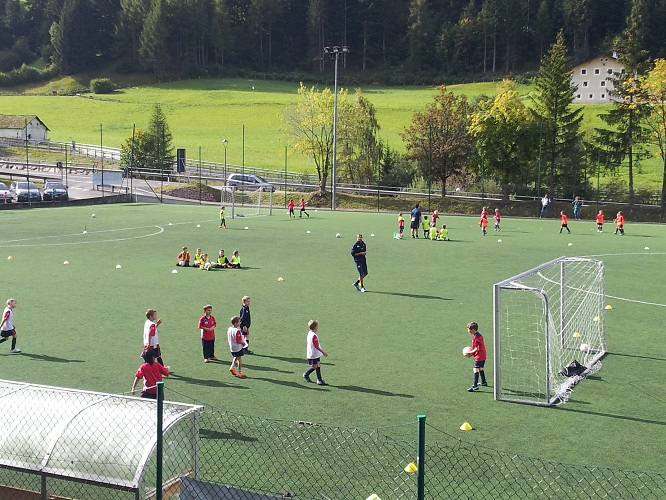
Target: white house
{"points": [[592, 79], [22, 127]]}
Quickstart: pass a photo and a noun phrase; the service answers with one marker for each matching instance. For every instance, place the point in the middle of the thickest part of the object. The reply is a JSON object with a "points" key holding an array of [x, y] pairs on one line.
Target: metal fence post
{"points": [[420, 459], [158, 458]]}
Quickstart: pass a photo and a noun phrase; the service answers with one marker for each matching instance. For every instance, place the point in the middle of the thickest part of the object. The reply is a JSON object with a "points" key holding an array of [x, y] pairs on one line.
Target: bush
{"points": [[102, 86], [9, 60]]}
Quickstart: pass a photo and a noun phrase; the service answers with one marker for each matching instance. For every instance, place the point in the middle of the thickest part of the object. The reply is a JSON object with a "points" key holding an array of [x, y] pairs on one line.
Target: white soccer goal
{"points": [[246, 203], [544, 320]]}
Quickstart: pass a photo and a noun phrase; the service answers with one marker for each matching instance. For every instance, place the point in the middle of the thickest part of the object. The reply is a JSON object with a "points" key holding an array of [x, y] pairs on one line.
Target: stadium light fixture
{"points": [[334, 52]]}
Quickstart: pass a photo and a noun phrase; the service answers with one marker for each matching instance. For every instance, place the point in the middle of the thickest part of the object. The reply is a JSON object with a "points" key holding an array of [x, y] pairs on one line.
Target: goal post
{"points": [[549, 330], [248, 202]]}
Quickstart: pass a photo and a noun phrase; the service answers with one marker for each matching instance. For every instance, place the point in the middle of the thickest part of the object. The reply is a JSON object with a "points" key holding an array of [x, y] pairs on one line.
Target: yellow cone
{"points": [[411, 468], [466, 427], [576, 335], [596, 318], [608, 307]]}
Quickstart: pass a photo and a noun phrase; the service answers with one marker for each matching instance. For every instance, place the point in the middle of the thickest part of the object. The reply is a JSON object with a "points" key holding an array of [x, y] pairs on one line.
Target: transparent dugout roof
{"points": [[89, 436]]}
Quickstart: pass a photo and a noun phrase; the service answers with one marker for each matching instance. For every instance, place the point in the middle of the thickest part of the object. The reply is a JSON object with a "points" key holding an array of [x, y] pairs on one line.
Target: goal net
{"points": [[246, 203], [549, 330]]}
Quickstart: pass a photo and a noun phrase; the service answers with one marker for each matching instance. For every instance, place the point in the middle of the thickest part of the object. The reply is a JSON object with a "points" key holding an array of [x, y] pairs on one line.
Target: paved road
{"points": [[79, 183]]}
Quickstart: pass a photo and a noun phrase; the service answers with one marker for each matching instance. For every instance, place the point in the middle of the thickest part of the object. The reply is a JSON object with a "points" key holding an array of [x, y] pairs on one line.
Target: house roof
{"points": [[18, 121]]}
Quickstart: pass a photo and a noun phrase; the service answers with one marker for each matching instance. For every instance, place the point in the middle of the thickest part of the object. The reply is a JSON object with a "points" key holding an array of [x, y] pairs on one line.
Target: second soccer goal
{"points": [[549, 330]]}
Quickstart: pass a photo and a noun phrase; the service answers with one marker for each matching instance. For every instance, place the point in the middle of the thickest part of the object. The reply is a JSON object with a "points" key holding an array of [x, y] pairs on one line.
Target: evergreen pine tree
{"points": [[559, 122]]}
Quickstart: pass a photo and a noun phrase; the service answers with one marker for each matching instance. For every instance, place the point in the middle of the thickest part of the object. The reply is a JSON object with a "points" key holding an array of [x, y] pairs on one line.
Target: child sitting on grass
{"points": [[235, 262]]}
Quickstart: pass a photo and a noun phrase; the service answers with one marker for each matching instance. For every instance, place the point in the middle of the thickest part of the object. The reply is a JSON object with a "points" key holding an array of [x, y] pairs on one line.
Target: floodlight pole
{"points": [[27, 162], [335, 52], [224, 143], [101, 152]]}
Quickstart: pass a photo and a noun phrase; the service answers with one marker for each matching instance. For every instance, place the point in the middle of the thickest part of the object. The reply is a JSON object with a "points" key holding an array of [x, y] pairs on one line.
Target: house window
{"points": [[597, 71], [609, 71], [577, 96], [583, 71], [602, 83], [603, 96], [591, 96], [584, 84]]}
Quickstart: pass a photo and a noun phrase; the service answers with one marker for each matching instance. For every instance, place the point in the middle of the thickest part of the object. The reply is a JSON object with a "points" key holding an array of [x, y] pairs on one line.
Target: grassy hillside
{"points": [[202, 113]]}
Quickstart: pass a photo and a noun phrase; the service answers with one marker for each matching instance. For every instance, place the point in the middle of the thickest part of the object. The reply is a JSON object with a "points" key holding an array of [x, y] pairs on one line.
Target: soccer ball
{"points": [[585, 347], [280, 278], [93, 216], [338, 235], [466, 350]]}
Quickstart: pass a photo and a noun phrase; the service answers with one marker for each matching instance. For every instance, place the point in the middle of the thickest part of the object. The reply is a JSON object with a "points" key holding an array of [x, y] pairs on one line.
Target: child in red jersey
{"points": [[565, 223], [433, 218], [207, 326], [479, 352], [483, 224], [302, 204], [290, 207], [619, 223], [600, 221], [498, 218], [151, 373]]}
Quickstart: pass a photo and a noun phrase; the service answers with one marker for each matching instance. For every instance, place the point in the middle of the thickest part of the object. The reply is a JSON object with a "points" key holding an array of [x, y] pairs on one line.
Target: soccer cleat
{"points": [[474, 388], [362, 289], [15, 351], [484, 384], [357, 287], [321, 381], [206, 360], [232, 371], [307, 378], [240, 375], [214, 358]]}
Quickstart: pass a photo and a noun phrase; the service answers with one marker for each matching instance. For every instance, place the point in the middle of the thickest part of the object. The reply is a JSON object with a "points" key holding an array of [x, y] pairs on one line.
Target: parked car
{"points": [[249, 181], [25, 191], [54, 191], [5, 193]]}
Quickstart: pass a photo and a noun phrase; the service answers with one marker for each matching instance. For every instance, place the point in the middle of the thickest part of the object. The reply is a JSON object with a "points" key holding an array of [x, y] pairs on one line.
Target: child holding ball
{"points": [[478, 350]]}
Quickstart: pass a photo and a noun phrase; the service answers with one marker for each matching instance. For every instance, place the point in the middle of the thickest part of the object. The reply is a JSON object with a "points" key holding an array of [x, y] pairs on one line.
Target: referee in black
{"points": [[358, 252]]}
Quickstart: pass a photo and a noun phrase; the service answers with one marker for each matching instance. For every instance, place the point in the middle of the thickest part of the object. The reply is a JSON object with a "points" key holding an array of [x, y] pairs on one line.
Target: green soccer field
{"points": [[394, 351]]}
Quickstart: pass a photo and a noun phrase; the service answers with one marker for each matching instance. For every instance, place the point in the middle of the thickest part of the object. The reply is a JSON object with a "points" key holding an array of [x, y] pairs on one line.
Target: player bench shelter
{"points": [[66, 443]]}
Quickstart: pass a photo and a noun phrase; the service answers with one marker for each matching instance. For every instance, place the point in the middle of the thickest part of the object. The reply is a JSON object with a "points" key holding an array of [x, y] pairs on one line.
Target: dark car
{"points": [[54, 191], [25, 191]]}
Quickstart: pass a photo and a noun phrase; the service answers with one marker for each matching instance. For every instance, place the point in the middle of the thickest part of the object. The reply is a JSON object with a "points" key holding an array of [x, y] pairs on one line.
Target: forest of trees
{"points": [[399, 40]]}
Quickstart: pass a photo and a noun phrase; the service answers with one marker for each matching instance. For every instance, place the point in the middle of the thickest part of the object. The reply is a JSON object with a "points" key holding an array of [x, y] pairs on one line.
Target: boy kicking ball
{"points": [[314, 352], [478, 350]]}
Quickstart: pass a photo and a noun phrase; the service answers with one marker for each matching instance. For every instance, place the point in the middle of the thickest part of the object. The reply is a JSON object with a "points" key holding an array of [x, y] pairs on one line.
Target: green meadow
{"points": [[201, 113], [394, 351]]}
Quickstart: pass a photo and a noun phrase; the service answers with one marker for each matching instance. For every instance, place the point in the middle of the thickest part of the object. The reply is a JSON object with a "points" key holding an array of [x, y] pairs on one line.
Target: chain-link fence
{"points": [[66, 444]]}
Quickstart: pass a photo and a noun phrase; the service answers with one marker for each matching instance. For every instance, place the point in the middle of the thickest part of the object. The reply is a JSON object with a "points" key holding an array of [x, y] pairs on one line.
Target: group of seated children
{"points": [[202, 261], [429, 225]]}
